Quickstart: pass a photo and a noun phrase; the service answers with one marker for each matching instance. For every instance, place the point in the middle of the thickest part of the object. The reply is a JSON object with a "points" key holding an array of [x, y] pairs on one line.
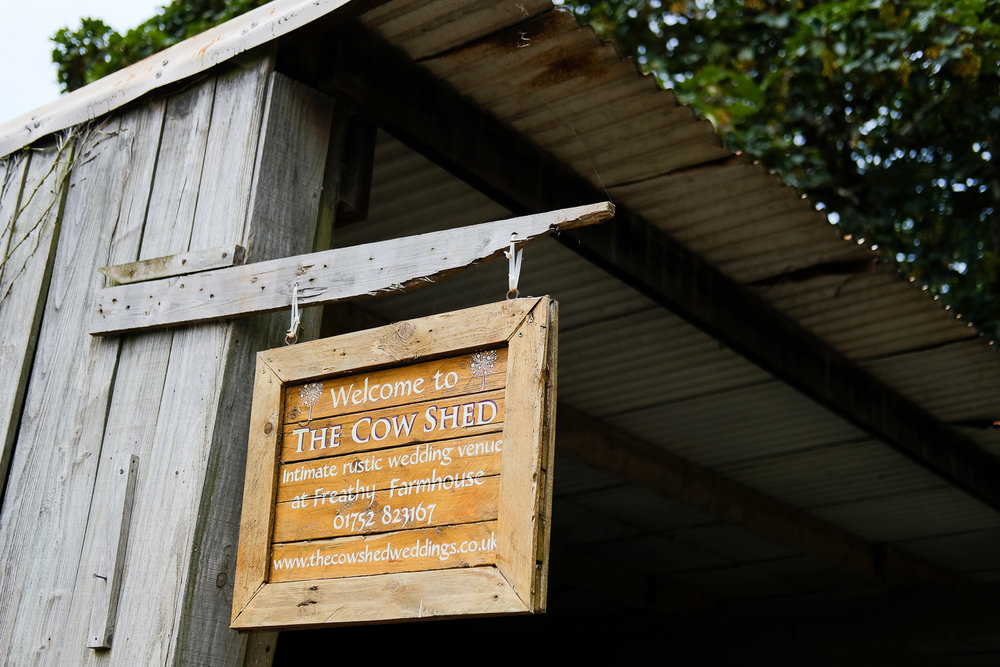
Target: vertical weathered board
{"points": [[132, 420], [29, 213], [200, 198], [45, 512], [285, 196]]}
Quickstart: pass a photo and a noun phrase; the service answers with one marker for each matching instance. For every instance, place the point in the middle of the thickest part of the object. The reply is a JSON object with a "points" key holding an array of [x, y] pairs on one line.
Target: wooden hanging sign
{"points": [[402, 472]]}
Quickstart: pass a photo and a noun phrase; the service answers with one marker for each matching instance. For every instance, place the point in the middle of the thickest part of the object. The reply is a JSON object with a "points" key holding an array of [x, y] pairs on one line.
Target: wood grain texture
{"points": [[30, 204], [520, 487], [443, 419], [413, 595], [362, 514], [325, 277], [182, 263], [52, 476], [13, 169], [454, 457], [347, 518], [259, 487], [395, 386], [230, 41], [109, 577], [144, 631], [473, 328], [465, 545], [548, 453], [257, 141]]}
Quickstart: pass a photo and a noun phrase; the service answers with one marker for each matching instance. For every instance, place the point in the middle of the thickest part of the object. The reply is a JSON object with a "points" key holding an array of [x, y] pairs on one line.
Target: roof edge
{"points": [[175, 63]]}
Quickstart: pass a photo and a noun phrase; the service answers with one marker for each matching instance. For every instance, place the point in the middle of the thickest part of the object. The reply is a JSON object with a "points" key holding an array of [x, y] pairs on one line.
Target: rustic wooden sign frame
{"points": [[516, 581]]}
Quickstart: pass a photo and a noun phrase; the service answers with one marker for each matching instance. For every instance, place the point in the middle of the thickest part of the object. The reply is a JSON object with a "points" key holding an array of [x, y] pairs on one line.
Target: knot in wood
{"points": [[405, 330]]}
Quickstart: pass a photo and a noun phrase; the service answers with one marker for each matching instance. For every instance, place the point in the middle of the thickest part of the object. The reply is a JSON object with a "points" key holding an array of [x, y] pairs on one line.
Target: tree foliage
{"points": [[885, 113], [94, 49]]}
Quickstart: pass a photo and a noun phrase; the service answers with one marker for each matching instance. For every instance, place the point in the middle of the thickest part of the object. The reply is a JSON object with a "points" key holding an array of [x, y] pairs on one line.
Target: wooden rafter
{"points": [[433, 118]]}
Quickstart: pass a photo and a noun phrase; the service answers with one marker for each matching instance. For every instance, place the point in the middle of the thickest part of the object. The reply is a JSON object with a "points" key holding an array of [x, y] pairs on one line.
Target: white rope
{"points": [[513, 268], [293, 330]]}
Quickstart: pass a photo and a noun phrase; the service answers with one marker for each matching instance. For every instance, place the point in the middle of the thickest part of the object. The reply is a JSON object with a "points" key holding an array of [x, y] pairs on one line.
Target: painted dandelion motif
{"points": [[309, 395], [482, 365]]}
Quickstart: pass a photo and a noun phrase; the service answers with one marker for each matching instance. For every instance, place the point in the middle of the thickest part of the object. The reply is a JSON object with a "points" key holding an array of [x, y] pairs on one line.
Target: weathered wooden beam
{"points": [[323, 277], [433, 118], [603, 446]]}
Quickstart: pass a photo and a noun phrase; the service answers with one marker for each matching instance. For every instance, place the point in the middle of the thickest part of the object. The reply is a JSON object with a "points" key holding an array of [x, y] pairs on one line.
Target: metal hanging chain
{"points": [[292, 336], [513, 268]]}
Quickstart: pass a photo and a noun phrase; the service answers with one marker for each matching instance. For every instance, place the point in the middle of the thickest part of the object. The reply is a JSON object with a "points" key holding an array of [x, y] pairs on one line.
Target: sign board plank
{"points": [[372, 461], [466, 545], [417, 422], [391, 387], [432, 503], [406, 595], [458, 457], [527, 368], [323, 277]]}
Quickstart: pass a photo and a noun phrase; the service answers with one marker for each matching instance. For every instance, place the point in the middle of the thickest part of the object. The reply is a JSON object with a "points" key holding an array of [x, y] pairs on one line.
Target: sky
{"points": [[27, 75]]}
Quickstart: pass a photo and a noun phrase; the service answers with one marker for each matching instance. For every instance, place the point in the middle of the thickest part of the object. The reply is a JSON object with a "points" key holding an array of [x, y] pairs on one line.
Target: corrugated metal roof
{"points": [[673, 385], [971, 552], [907, 516], [848, 472]]}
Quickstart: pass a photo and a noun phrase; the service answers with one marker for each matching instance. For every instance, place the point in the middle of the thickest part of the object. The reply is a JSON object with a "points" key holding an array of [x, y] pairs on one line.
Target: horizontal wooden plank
{"points": [[438, 593], [363, 512], [465, 545], [175, 265], [487, 326], [455, 376], [454, 457], [323, 277], [418, 422]]}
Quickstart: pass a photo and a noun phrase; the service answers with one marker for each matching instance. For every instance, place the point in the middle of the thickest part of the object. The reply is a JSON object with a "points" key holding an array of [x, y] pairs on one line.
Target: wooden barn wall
{"points": [[235, 158], [32, 188]]}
